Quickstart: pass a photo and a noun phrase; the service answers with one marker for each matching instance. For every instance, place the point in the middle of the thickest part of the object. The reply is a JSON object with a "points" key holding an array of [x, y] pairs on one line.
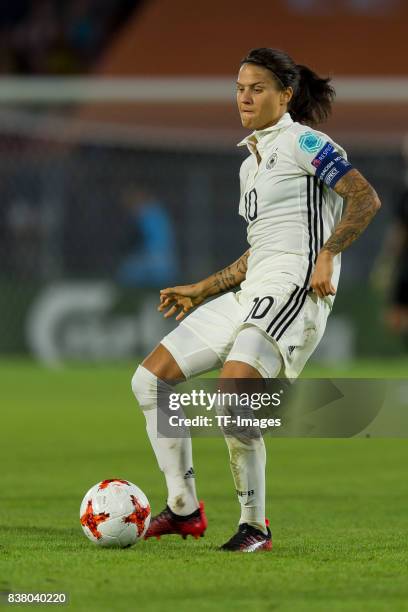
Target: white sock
{"points": [[174, 455], [248, 461]]}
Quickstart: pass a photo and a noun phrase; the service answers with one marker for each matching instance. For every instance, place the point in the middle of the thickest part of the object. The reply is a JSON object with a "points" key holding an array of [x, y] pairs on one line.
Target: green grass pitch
{"points": [[338, 508]]}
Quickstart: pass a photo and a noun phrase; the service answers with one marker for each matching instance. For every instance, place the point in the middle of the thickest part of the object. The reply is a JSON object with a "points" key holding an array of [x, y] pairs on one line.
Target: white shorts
{"points": [[291, 320]]}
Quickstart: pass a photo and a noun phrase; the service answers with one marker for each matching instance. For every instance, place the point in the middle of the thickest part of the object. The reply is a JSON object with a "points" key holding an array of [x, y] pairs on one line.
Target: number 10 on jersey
{"points": [[251, 205]]}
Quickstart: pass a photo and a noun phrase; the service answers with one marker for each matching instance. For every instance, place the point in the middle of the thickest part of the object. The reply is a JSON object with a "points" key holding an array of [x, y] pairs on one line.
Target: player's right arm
{"points": [[185, 297]]}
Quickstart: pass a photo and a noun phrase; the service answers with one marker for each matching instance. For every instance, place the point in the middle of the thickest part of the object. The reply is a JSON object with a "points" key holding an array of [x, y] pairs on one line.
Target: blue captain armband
{"points": [[330, 165]]}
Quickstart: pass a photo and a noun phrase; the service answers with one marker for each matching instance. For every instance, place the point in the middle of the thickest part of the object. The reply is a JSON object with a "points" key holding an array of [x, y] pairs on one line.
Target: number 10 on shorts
{"points": [[260, 307]]}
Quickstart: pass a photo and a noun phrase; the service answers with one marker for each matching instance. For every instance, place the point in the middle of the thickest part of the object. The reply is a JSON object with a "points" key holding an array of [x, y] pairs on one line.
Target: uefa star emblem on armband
{"points": [[272, 161]]}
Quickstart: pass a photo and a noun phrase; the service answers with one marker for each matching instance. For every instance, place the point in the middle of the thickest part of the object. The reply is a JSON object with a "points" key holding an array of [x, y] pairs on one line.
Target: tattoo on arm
{"points": [[362, 204], [229, 277]]}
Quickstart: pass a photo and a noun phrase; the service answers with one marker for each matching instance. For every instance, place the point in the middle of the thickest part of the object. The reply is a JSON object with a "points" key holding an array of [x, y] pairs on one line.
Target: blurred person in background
{"points": [[293, 184], [390, 273], [151, 259], [83, 32]]}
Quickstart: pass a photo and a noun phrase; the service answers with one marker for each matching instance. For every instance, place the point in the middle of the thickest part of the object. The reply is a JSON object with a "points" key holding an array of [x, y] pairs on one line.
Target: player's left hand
{"points": [[322, 275]]}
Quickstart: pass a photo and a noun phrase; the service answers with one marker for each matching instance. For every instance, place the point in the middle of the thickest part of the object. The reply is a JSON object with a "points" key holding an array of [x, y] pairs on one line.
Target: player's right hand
{"points": [[180, 299]]}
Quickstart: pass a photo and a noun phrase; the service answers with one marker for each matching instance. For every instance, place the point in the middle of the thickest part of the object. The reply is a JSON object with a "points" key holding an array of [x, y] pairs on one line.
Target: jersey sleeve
{"points": [[319, 156]]}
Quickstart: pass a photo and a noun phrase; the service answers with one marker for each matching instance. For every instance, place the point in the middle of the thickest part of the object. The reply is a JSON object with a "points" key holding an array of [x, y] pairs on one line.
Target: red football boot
{"points": [[167, 523], [249, 539]]}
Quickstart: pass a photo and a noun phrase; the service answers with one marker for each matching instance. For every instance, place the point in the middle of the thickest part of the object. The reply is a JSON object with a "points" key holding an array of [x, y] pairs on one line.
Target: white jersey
{"points": [[291, 211], [288, 204]]}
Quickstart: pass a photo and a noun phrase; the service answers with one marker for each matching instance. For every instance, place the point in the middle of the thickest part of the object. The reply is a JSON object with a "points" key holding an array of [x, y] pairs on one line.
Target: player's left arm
{"points": [[362, 203]]}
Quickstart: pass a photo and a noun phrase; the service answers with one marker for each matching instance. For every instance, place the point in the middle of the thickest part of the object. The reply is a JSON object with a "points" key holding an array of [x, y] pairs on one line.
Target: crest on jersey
{"points": [[310, 142], [272, 161]]}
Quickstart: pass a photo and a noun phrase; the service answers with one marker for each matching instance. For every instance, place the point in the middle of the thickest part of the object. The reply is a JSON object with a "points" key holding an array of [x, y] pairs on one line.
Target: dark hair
{"points": [[312, 96]]}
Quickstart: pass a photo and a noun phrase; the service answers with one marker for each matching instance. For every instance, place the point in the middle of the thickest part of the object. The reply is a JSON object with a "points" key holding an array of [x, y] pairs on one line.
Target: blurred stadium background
{"points": [[117, 140], [118, 129]]}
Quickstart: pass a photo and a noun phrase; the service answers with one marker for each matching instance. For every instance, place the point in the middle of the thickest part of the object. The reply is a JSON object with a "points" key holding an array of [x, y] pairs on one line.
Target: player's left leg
{"points": [[253, 356]]}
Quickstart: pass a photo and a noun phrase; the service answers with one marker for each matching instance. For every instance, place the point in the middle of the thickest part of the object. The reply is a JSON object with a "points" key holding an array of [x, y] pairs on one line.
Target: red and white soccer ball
{"points": [[115, 513]]}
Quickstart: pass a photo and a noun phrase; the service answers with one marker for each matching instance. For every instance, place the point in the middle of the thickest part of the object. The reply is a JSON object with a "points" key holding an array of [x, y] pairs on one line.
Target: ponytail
{"points": [[312, 96]]}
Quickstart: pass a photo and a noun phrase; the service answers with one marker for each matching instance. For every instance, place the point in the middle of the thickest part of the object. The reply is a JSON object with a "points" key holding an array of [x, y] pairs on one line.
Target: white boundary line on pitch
{"points": [[68, 90]]}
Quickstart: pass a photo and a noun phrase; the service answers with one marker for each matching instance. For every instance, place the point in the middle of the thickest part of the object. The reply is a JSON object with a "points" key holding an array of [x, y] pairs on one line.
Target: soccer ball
{"points": [[115, 513]]}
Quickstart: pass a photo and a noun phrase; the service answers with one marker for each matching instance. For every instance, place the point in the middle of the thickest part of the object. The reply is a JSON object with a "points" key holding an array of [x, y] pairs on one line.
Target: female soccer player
{"points": [[292, 187]]}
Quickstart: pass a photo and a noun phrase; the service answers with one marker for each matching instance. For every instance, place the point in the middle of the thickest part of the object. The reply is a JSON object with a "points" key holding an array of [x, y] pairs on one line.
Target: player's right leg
{"points": [[183, 514], [182, 354]]}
